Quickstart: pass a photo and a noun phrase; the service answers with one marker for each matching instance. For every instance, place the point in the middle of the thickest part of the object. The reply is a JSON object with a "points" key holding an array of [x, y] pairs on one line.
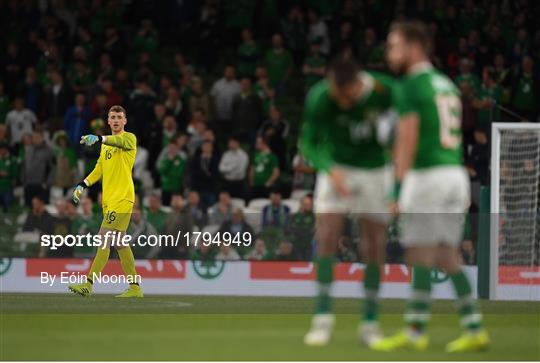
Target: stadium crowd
{"points": [[214, 92]]}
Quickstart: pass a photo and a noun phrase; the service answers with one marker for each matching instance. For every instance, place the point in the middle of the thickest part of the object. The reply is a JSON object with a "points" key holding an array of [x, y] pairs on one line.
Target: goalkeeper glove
{"points": [[90, 140], [77, 192]]}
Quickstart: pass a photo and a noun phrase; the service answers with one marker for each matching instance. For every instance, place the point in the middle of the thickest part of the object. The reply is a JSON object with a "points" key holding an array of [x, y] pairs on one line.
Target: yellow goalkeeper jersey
{"points": [[114, 167]]}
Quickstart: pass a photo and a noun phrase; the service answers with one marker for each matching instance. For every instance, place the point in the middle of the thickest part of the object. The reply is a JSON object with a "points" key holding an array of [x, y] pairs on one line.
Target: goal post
{"points": [[514, 253]]}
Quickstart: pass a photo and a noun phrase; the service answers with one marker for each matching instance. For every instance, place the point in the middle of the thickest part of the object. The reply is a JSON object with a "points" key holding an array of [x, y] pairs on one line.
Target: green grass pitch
{"points": [[69, 327]]}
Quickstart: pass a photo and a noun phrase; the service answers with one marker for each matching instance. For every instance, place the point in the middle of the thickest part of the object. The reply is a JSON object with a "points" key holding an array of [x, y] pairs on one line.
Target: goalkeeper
{"points": [[114, 168]]}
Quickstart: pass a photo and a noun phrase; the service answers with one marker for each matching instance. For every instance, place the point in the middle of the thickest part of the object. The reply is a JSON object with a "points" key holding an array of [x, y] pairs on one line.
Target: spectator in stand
{"points": [[526, 92], [154, 214], [467, 76], [477, 157], [140, 226], [4, 137], [37, 168], [83, 223], [222, 210], [503, 76], [178, 222], [304, 174], [275, 130], [38, 220], [489, 94], [171, 170], [30, 89], [263, 89], [193, 207], [248, 54], [59, 96], [155, 142], [279, 63], [302, 228], [276, 214], [20, 121], [113, 98], [105, 69], [79, 77], [204, 174], [76, 119], [66, 163], [199, 98], [237, 226], [227, 253], [314, 67], [165, 83], [264, 171], [203, 252], [169, 130], [258, 252], [140, 108], [223, 93], [197, 115], [8, 176], [5, 103], [62, 221], [285, 252], [318, 31], [99, 107], [12, 64], [233, 168], [293, 29], [174, 105], [147, 39], [196, 137], [247, 112], [114, 46]]}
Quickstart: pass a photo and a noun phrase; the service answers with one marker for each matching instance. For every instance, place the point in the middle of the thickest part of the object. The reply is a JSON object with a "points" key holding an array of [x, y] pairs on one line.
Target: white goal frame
{"points": [[496, 129]]}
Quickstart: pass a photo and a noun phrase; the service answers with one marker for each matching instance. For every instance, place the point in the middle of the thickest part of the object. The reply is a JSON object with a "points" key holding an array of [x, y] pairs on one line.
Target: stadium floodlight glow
{"points": [[514, 256]]}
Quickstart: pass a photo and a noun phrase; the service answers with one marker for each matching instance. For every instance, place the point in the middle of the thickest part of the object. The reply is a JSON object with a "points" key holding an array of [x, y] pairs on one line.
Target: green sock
{"points": [[470, 317], [372, 279], [325, 276], [417, 311]]}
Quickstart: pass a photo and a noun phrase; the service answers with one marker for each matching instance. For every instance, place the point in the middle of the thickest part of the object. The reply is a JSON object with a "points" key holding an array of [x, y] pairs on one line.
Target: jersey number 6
{"points": [[449, 110]]}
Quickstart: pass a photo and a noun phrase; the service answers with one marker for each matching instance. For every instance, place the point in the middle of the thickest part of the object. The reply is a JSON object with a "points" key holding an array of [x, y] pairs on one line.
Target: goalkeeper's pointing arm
{"points": [[125, 141]]}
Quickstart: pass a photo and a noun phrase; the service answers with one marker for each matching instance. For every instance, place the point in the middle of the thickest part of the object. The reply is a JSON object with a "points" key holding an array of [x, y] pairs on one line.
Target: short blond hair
{"points": [[118, 108]]}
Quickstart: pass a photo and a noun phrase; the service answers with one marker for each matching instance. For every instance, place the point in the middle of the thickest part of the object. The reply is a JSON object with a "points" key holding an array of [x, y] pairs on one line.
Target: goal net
{"points": [[515, 206]]}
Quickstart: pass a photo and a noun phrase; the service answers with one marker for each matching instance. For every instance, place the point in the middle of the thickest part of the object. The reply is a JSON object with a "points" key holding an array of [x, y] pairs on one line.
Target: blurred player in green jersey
{"points": [[340, 139], [431, 188]]}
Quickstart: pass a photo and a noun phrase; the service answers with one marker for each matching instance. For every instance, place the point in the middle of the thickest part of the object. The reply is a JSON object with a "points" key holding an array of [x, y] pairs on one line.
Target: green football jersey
{"points": [[331, 135], [433, 97]]}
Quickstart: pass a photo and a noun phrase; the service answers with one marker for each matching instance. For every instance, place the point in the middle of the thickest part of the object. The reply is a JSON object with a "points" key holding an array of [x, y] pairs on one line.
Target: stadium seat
{"points": [[211, 228], [238, 203], [293, 204], [51, 209], [253, 218], [258, 204], [25, 238], [166, 209], [299, 194]]}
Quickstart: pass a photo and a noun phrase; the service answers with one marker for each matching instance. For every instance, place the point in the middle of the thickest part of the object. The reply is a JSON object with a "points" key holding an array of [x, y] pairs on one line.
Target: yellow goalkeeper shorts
{"points": [[116, 215]]}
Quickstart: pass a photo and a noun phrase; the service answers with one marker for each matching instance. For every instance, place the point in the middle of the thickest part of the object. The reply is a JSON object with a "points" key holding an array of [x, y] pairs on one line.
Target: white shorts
{"points": [[369, 193], [433, 205]]}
